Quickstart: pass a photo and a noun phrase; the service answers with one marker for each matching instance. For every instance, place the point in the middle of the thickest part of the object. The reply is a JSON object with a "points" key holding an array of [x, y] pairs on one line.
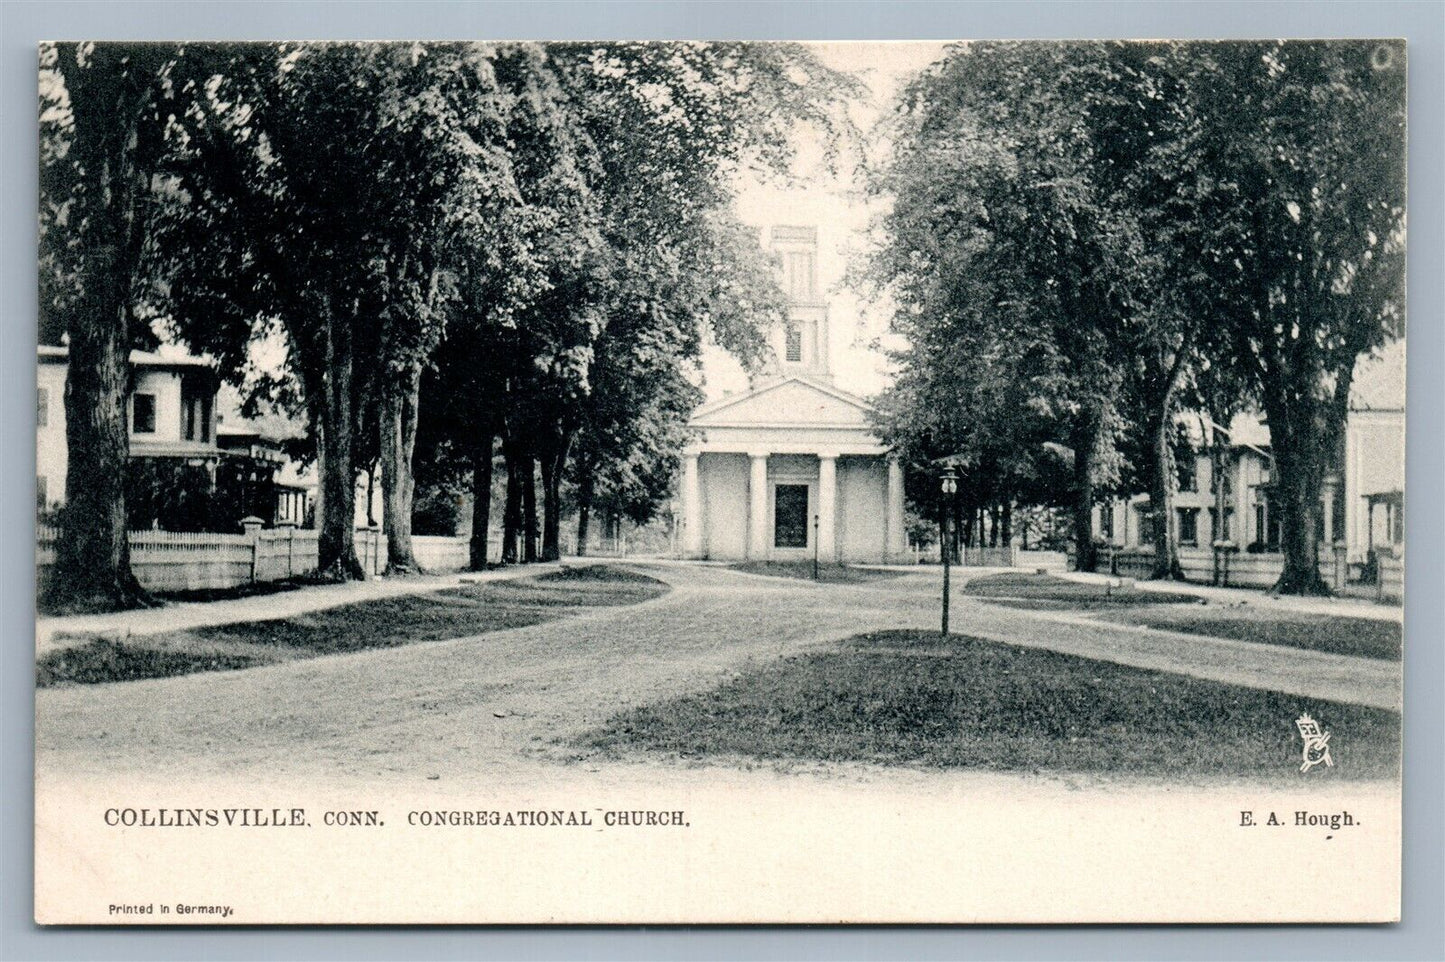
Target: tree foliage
{"points": [[1082, 235]]}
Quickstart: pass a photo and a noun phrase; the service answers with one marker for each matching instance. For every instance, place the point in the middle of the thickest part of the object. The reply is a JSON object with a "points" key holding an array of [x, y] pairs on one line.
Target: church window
{"points": [[793, 345]]}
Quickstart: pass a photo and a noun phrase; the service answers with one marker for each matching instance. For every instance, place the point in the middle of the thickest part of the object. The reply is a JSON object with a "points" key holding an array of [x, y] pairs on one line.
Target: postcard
{"points": [[720, 482]]}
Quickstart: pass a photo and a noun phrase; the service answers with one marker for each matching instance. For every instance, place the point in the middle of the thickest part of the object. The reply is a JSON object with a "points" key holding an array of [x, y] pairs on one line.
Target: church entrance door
{"points": [[790, 516]]}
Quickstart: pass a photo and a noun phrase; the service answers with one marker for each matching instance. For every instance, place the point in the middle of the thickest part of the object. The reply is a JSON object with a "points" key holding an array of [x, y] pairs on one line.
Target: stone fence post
{"points": [[251, 527], [1342, 565]]}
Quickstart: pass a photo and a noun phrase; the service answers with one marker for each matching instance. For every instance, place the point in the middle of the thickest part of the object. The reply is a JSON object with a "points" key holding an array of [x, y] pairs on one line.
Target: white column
{"points": [[691, 508], [758, 507], [827, 506], [896, 536]]}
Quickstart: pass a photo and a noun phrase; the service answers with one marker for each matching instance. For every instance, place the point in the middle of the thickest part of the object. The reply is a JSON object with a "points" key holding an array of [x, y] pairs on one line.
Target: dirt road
{"points": [[504, 705]]}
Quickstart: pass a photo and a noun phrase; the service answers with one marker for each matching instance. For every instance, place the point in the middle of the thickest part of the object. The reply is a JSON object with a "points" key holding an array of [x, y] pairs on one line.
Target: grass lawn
{"points": [[831, 573], [383, 623], [908, 697], [1364, 637], [1047, 592]]}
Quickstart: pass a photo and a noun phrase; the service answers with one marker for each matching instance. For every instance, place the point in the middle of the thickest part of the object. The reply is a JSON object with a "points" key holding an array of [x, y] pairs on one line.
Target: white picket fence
{"points": [[1003, 556], [1259, 570], [188, 561]]}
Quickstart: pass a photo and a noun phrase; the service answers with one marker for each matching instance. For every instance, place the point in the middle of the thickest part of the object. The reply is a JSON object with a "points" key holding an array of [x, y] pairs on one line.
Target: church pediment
{"points": [[791, 401]]}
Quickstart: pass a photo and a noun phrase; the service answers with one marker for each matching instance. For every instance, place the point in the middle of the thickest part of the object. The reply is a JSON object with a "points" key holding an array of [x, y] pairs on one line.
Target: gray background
{"points": [[23, 24]]}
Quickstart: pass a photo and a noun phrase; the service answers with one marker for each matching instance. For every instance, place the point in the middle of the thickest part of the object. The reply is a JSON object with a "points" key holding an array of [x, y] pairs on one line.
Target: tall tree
{"points": [[1001, 239], [102, 130], [1312, 136], [324, 186]]}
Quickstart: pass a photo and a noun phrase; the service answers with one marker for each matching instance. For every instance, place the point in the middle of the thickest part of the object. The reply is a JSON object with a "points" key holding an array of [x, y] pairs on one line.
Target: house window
{"points": [[1106, 521], [790, 516], [196, 416], [793, 345], [41, 500], [1188, 526], [1227, 532], [1215, 477], [1188, 472], [1266, 522], [42, 407], [1146, 524], [143, 414]]}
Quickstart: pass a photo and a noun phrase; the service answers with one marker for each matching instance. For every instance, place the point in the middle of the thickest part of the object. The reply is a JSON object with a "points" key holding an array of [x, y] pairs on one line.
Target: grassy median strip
{"points": [[831, 573], [1336, 634], [1047, 592], [381, 623], [910, 698]]}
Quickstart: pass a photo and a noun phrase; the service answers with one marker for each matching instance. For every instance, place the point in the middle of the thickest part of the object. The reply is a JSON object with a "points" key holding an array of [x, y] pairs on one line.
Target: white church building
{"points": [[791, 467]]}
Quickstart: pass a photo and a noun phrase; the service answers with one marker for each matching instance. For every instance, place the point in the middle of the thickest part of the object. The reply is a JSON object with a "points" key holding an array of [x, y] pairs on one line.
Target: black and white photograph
{"points": [[671, 482]]}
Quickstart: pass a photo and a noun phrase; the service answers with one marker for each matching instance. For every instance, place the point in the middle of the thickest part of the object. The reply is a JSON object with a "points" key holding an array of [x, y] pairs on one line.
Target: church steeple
{"points": [[801, 345]]}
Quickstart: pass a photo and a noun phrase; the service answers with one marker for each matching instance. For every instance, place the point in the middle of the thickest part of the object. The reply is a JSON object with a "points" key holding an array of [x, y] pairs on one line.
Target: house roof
{"points": [[168, 358]]}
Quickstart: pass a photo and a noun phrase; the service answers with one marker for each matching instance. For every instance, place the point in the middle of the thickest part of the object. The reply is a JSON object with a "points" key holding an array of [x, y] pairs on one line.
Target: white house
{"points": [[791, 467], [170, 409], [172, 415], [1361, 506]]}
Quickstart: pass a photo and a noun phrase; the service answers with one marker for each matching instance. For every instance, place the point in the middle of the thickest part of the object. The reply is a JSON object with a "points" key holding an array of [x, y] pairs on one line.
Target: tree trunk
{"points": [[584, 510], [1297, 487], [399, 411], [1166, 526], [512, 510], [552, 466], [370, 495], [529, 509], [481, 504], [111, 143], [1218, 532], [1161, 497], [1008, 524], [993, 525], [92, 560], [336, 537], [1085, 437]]}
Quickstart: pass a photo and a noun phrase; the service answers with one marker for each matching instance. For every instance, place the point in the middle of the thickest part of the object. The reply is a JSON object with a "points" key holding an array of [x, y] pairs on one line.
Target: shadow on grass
{"points": [[909, 697], [1049, 593], [830, 573], [381, 623], [1361, 637]]}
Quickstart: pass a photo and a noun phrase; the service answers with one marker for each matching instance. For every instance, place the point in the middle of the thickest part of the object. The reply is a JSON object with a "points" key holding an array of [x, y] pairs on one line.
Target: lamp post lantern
{"points": [[948, 484]]}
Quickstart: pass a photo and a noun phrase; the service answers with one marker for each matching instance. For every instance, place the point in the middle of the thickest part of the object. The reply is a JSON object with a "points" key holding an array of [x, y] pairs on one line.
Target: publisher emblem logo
{"points": [[1317, 743]]}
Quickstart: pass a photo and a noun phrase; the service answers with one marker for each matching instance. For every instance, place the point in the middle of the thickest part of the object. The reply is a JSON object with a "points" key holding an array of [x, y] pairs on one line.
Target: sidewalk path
{"points": [[505, 703], [178, 616], [1340, 606]]}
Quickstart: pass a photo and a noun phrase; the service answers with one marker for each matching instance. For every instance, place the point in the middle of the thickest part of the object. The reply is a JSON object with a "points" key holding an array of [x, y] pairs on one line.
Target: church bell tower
{"points": [[801, 344]]}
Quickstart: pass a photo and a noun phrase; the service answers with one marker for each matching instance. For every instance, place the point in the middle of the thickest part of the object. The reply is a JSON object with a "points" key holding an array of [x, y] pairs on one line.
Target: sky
{"points": [[833, 203]]}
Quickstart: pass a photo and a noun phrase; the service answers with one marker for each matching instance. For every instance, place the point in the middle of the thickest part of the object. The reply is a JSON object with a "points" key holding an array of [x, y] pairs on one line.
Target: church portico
{"points": [[810, 476], [792, 466]]}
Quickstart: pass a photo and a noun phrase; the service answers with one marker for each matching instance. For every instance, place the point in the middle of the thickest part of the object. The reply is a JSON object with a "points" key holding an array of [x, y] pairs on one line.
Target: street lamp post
{"points": [[815, 547], [948, 483]]}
